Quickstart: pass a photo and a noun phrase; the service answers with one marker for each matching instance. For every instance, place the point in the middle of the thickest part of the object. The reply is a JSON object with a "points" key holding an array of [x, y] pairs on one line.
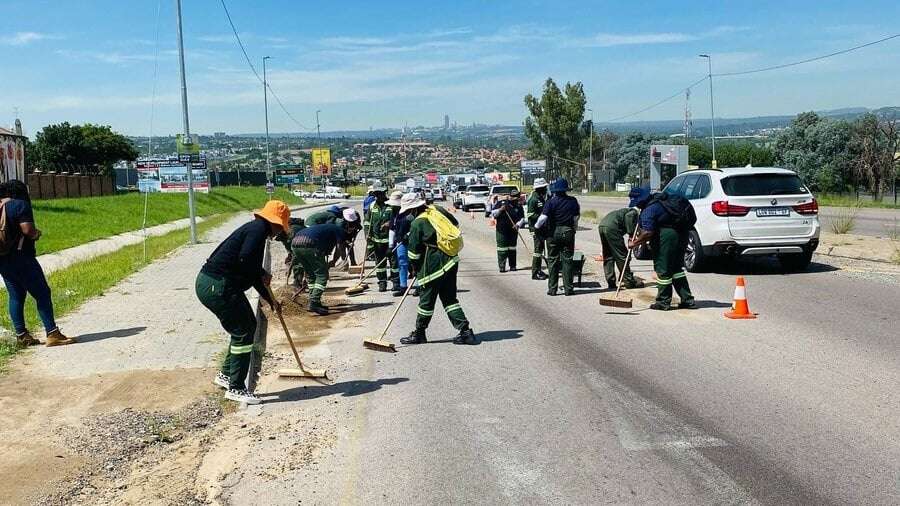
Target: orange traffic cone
{"points": [[740, 310]]}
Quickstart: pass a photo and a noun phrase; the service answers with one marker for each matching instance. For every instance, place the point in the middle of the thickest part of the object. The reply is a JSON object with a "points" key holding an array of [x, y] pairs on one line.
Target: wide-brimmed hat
{"points": [[411, 201], [394, 201], [276, 212], [350, 214], [540, 183], [560, 185], [377, 186], [639, 197]]}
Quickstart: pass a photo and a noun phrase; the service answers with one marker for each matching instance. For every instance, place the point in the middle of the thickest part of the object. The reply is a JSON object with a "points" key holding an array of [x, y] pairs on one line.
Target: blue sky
{"points": [[383, 64]]}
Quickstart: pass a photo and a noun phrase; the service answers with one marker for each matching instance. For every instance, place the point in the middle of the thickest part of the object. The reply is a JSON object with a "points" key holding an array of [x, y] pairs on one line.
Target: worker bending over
{"points": [[311, 248], [234, 266], [613, 228]]}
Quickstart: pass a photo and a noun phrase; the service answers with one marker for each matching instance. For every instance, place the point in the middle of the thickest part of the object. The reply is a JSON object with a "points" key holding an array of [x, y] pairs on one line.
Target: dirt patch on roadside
{"points": [[50, 427]]}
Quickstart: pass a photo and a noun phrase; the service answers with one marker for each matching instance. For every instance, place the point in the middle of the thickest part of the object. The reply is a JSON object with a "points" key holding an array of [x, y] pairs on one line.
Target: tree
{"points": [[877, 143], [819, 150], [556, 125], [629, 156], [84, 146]]}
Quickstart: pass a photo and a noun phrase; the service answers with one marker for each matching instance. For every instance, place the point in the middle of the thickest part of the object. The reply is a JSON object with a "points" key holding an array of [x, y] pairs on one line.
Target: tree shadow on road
{"points": [[97, 336], [344, 389]]}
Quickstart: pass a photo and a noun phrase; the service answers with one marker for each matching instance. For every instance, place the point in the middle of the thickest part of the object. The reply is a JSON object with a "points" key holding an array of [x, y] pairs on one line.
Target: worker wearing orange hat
{"points": [[234, 266]]}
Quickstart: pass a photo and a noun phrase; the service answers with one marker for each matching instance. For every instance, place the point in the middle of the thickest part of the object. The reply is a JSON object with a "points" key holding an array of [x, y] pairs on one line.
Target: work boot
{"points": [[415, 291], [56, 338], [382, 286], [415, 337], [659, 306], [245, 396], [503, 269], [512, 268], [26, 339], [569, 292], [318, 308], [465, 337], [551, 293], [540, 276], [689, 304], [612, 284], [630, 285], [399, 291]]}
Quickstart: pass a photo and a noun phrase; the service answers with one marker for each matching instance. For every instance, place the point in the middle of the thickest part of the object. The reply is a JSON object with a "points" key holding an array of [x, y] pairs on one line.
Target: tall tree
{"points": [[86, 146], [555, 125], [878, 144]]}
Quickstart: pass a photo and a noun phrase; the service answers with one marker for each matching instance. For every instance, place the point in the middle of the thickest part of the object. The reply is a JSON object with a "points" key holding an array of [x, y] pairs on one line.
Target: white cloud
{"points": [[25, 38]]}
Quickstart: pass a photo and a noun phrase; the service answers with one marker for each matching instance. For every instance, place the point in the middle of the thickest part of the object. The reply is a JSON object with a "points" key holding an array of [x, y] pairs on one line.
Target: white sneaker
{"points": [[244, 396], [221, 380]]}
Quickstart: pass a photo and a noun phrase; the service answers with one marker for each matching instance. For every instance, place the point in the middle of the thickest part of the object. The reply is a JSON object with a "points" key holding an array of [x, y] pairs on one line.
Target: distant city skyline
{"points": [[389, 64]]}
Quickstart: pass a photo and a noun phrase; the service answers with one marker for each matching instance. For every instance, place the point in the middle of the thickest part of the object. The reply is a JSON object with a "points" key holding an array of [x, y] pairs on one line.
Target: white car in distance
{"points": [[749, 211]]}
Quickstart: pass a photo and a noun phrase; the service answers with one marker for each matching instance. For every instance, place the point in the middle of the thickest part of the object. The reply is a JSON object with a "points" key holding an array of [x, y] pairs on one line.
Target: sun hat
{"points": [[276, 212], [378, 186], [540, 183], [350, 214], [394, 201], [411, 201]]}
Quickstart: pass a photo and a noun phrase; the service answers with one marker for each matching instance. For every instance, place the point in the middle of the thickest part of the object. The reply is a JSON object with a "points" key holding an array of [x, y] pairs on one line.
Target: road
{"points": [[873, 222], [568, 402]]}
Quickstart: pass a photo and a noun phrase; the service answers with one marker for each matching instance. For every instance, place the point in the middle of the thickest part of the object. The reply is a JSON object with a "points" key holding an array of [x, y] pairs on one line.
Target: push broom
{"points": [[361, 286], [380, 344], [300, 372], [615, 302]]}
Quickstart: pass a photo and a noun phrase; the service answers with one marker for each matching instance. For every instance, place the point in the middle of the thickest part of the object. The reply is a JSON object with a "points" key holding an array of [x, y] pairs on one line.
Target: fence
{"points": [[127, 178], [52, 185]]}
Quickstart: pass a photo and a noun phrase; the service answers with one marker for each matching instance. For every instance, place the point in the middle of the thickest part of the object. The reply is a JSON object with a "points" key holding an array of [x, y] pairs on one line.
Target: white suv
{"points": [[749, 211], [476, 196], [497, 191]]}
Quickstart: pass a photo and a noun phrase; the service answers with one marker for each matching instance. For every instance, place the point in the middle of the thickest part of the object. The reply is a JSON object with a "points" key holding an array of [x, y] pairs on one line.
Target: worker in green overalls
{"points": [[311, 248], [379, 231], [294, 225], [533, 210], [613, 228], [560, 216], [507, 213], [667, 244], [435, 272]]}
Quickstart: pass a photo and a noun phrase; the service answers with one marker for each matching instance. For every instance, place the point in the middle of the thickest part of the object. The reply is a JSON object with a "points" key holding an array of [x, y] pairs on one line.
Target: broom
{"points": [[380, 344], [300, 372], [360, 287], [615, 302]]}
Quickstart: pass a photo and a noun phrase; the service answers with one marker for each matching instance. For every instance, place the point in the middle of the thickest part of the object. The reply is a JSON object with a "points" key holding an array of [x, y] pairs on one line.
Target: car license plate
{"points": [[773, 211]]}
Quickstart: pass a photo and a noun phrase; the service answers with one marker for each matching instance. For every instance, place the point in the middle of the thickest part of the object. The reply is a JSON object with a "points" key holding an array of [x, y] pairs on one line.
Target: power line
{"points": [[253, 69], [657, 104], [808, 60]]}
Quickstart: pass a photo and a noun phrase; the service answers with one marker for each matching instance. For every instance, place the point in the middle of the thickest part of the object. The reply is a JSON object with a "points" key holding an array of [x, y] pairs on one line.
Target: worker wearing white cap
{"points": [[534, 207]]}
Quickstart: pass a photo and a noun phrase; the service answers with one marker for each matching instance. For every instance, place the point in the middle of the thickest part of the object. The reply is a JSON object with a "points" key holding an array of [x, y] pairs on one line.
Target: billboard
{"points": [[533, 167], [169, 175], [12, 157], [431, 177], [321, 162], [289, 176], [497, 177]]}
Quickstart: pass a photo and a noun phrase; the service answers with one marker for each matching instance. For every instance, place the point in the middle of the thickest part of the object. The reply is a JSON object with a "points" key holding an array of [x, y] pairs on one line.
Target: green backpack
{"points": [[449, 238]]}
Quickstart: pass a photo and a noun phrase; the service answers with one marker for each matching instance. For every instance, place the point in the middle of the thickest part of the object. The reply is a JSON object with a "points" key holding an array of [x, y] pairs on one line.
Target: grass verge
{"points": [[74, 285], [589, 214], [845, 220], [70, 222], [829, 200]]}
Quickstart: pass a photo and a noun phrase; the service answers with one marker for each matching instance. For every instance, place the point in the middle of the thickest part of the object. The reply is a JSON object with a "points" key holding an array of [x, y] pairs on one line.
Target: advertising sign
{"points": [[289, 176], [169, 175], [321, 161], [187, 148], [12, 157], [496, 177], [431, 177], [533, 167]]}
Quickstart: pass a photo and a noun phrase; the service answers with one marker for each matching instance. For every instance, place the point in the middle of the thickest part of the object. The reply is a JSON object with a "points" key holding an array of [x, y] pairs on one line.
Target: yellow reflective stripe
{"points": [[316, 285], [240, 350], [378, 240], [413, 255], [664, 281], [424, 312], [679, 275], [440, 272], [453, 307], [506, 248], [381, 269]]}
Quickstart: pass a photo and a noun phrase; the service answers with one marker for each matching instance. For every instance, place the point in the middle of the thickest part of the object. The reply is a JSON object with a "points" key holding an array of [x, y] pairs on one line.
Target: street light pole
{"points": [[590, 151], [712, 109], [266, 106], [318, 131], [187, 127]]}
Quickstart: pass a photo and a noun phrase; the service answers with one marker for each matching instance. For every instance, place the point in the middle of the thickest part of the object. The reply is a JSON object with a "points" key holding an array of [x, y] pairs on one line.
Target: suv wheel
{"points": [[795, 262], [694, 259]]}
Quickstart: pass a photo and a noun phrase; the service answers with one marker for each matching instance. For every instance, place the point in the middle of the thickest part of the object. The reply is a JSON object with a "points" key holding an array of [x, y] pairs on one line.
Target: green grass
{"points": [[590, 214], [829, 200], [606, 194], [74, 285], [69, 222]]}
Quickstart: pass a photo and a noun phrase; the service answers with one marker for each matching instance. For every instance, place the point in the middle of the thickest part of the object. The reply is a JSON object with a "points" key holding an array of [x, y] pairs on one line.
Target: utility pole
{"points": [[712, 110], [318, 131], [187, 127], [590, 152], [266, 106]]}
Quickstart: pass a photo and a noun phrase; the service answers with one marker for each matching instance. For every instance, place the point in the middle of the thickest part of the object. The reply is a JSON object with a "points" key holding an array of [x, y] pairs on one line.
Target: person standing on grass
{"points": [[19, 267], [235, 266]]}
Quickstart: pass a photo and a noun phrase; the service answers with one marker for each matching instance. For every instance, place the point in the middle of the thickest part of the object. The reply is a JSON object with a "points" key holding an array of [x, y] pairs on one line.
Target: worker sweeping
{"points": [[338, 215], [560, 217], [433, 247], [294, 225], [533, 210], [311, 247], [665, 221], [234, 266], [613, 228], [399, 229], [507, 213], [379, 230]]}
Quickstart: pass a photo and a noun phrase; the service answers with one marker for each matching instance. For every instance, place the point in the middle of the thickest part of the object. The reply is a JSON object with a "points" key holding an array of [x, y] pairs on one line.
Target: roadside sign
{"points": [[169, 175], [192, 147], [321, 161], [533, 167]]}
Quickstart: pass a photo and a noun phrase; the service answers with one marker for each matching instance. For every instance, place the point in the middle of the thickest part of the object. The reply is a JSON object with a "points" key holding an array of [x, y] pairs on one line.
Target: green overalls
{"points": [[534, 206], [668, 247], [379, 217], [506, 234], [613, 227]]}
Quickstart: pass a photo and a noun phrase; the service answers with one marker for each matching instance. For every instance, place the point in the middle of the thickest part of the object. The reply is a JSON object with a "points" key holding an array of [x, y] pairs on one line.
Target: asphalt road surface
{"points": [[874, 222], [569, 402]]}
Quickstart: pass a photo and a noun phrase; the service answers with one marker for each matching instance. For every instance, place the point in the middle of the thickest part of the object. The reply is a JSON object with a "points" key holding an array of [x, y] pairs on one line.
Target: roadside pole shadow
{"points": [[349, 307], [97, 336], [344, 389], [711, 303], [488, 336]]}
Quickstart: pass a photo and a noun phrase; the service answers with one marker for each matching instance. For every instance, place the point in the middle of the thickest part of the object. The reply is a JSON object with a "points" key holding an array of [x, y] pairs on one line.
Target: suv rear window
{"points": [[477, 188], [763, 184], [503, 190]]}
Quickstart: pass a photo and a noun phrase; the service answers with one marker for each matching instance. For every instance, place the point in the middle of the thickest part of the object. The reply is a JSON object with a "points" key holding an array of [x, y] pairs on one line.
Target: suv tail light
{"points": [[723, 208], [809, 208]]}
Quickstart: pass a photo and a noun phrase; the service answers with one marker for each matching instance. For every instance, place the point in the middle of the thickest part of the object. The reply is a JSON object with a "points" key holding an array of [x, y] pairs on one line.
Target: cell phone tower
{"points": [[688, 123]]}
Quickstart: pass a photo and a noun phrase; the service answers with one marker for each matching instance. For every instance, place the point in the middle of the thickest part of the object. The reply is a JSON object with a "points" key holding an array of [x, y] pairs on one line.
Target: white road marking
{"points": [[641, 425]]}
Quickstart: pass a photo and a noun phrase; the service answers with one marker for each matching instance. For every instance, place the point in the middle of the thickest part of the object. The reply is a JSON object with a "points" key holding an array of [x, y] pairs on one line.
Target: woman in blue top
{"points": [[20, 269]]}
